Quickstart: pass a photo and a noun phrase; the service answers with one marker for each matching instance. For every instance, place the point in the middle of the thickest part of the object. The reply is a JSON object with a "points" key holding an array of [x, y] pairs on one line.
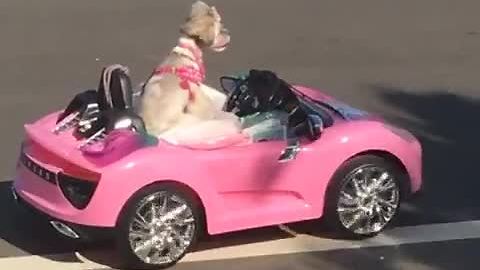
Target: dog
{"points": [[175, 96]]}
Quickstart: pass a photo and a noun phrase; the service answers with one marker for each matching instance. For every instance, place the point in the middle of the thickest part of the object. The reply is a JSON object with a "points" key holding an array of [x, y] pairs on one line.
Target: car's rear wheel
{"points": [[364, 196], [158, 227]]}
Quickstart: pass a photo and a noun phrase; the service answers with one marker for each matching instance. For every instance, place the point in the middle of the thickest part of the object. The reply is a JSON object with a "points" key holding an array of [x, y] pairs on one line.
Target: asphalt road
{"points": [[414, 62]]}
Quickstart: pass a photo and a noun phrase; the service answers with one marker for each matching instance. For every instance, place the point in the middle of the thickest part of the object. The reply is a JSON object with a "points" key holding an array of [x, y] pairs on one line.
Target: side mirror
{"points": [[315, 126], [228, 83]]}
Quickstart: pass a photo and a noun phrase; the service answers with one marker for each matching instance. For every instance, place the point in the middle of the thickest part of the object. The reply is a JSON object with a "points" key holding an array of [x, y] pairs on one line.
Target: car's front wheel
{"points": [[158, 227], [364, 196]]}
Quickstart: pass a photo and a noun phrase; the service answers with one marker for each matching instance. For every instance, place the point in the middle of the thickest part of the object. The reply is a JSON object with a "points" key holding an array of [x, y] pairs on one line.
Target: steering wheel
{"points": [[240, 98], [244, 101]]}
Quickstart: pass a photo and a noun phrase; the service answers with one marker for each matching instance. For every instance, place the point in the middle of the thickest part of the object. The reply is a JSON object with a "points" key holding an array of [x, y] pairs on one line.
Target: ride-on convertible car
{"points": [[303, 155]]}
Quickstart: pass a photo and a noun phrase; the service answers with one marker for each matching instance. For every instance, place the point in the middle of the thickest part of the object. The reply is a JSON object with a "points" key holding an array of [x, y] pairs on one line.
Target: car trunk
{"points": [[60, 152]]}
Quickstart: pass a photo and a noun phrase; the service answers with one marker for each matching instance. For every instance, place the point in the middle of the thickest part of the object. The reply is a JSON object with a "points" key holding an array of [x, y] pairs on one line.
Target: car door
{"points": [[246, 168], [256, 189]]}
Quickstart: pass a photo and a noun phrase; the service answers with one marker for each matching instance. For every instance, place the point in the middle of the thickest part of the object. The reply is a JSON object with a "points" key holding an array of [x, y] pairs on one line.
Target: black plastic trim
{"points": [[86, 232]]}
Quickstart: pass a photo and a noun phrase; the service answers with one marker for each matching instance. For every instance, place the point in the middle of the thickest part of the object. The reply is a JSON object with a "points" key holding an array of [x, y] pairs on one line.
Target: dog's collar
{"points": [[187, 74], [191, 46], [188, 48]]}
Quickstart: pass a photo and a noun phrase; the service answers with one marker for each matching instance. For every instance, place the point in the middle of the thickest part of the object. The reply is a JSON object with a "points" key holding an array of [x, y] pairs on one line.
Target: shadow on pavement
{"points": [[446, 125], [29, 233]]}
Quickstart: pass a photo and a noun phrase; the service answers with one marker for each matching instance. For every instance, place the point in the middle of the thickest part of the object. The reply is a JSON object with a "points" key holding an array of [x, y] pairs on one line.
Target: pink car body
{"points": [[240, 184]]}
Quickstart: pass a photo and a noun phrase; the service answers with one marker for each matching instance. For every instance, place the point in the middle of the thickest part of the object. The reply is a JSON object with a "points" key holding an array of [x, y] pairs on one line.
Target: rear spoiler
{"points": [[61, 146]]}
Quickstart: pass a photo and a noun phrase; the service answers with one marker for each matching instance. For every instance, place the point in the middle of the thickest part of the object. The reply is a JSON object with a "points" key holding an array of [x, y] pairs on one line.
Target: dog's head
{"points": [[205, 26]]}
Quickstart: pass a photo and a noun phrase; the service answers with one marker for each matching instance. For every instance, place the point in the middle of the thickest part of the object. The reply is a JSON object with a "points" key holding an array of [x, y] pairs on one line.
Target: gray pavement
{"points": [[414, 62], [459, 254]]}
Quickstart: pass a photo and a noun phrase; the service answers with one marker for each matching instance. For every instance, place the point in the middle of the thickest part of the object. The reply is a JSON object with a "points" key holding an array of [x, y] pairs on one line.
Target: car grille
{"points": [[37, 169]]}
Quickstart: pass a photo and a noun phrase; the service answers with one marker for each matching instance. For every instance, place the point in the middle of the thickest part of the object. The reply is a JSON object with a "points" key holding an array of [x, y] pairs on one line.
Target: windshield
{"points": [[341, 109]]}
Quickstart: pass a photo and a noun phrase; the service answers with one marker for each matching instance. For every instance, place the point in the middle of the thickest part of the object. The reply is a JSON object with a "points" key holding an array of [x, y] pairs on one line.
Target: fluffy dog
{"points": [[174, 96]]}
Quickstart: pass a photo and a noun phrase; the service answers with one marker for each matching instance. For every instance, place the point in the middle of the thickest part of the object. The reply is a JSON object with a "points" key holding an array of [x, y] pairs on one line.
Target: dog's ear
{"points": [[199, 9], [215, 14], [198, 29], [199, 24]]}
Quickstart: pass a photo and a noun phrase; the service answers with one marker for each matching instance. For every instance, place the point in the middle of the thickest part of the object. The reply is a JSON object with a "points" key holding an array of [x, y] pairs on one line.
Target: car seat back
{"points": [[93, 113], [115, 89]]}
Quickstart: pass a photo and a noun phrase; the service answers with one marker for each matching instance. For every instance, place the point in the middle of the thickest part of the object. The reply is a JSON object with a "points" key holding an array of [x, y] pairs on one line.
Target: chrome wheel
{"points": [[368, 200], [162, 228]]}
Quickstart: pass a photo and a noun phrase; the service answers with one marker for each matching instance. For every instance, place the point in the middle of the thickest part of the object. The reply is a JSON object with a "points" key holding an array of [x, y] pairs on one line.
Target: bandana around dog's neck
{"points": [[187, 73]]}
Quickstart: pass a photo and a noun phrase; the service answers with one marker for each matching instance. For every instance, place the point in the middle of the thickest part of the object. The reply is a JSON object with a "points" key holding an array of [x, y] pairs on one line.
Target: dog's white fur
{"points": [[167, 110]]}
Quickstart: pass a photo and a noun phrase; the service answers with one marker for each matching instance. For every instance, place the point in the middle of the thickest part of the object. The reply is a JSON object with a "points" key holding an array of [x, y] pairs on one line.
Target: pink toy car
{"points": [[158, 198]]}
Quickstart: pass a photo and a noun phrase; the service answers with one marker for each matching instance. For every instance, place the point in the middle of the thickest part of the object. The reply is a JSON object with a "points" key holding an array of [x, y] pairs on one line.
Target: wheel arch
{"points": [[389, 156], [190, 191], [393, 159]]}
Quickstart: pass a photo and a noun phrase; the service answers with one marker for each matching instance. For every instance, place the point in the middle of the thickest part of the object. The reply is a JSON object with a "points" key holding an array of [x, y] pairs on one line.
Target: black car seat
{"points": [[97, 112]]}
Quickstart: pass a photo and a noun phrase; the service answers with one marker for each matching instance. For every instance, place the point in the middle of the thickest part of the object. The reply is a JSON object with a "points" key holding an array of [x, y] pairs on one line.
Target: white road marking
{"points": [[298, 244], [307, 243]]}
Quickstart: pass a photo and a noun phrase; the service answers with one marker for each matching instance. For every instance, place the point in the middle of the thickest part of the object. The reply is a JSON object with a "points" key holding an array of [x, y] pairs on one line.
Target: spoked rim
{"points": [[162, 228], [368, 200]]}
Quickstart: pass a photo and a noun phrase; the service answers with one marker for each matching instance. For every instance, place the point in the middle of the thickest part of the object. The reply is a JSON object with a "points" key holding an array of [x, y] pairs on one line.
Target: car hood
{"points": [[344, 110]]}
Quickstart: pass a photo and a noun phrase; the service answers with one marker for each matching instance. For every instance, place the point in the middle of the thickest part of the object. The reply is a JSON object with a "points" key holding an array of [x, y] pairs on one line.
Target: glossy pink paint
{"points": [[240, 184]]}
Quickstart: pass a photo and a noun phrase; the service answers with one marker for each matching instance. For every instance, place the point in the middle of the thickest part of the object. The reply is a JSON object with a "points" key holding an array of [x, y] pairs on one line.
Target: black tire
{"points": [[331, 216], [129, 258]]}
